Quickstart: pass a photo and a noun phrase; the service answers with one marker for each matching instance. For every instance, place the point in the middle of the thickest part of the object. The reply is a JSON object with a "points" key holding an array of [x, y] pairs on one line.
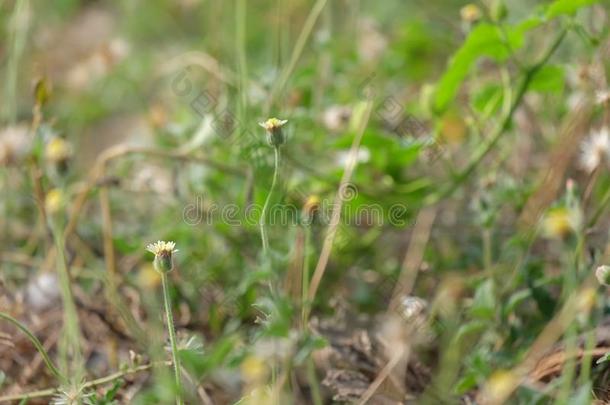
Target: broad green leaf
{"points": [[549, 78], [484, 40], [560, 7]]}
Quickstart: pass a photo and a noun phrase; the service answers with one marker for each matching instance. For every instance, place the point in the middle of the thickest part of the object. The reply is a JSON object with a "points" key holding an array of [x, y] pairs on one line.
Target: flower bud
{"points": [[311, 208], [163, 255], [54, 201], [275, 135], [470, 13], [498, 11]]}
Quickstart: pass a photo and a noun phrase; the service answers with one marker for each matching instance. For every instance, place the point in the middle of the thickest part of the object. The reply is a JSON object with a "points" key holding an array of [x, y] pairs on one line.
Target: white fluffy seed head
{"points": [[595, 150]]}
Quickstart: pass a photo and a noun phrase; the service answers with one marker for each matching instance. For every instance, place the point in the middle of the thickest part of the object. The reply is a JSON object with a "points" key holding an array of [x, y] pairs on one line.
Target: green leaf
{"points": [[561, 7], [469, 329], [484, 301], [515, 300], [489, 99], [484, 40], [466, 384], [549, 78]]}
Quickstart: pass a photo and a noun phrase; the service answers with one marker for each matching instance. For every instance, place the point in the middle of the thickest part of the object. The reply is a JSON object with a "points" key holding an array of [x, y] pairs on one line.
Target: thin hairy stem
{"points": [[276, 170], [172, 337], [312, 18]]}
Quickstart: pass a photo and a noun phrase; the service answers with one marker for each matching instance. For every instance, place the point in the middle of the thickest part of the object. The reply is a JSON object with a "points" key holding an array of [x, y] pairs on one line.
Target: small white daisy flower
{"points": [[163, 252], [595, 150], [272, 124]]}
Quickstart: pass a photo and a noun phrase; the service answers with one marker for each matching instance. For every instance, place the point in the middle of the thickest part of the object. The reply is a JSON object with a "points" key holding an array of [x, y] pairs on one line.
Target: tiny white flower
{"points": [[162, 247], [15, 144], [272, 124], [337, 117], [602, 96], [595, 149]]}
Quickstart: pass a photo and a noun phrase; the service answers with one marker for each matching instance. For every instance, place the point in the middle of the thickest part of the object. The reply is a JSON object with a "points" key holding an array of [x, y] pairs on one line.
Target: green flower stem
{"points": [[172, 336], [305, 278], [45, 356], [263, 218]]}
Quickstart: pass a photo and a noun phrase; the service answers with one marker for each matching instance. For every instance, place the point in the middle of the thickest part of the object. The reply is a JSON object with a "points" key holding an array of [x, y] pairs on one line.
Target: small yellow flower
{"points": [[58, 150], [470, 13], [311, 207], [273, 126], [560, 222], [54, 201], [498, 387], [253, 369], [163, 252]]}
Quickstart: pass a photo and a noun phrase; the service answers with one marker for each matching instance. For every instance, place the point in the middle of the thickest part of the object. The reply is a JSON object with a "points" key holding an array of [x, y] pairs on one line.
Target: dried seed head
{"points": [[603, 275], [275, 135], [163, 255], [595, 150], [602, 96], [74, 394], [15, 145]]}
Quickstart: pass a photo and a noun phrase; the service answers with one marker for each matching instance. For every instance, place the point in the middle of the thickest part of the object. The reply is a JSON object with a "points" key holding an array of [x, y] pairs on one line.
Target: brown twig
{"points": [[338, 202], [89, 384], [415, 253]]}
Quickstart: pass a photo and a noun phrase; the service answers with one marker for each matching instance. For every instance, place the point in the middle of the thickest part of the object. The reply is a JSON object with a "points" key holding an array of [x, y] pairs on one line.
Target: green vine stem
{"points": [[529, 74], [45, 356], [172, 337]]}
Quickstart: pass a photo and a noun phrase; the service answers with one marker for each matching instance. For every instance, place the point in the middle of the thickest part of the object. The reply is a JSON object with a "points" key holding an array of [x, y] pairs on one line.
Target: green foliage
{"points": [[465, 128]]}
